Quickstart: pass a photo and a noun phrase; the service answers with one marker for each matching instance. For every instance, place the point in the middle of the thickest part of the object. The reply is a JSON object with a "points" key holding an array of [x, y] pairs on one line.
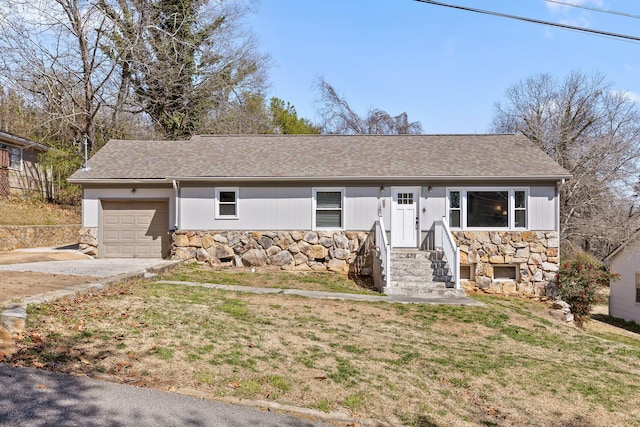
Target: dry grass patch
{"points": [[268, 277], [14, 211], [506, 363]]}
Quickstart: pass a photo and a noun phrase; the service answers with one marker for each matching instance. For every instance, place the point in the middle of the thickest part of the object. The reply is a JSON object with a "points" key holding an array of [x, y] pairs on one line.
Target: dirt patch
{"points": [[16, 285]]}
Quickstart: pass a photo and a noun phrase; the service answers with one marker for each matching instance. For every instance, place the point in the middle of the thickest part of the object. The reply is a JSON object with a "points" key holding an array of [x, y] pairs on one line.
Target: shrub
{"points": [[580, 280]]}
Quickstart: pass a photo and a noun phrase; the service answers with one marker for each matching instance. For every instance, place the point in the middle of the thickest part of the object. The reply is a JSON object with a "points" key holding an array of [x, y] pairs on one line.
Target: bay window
{"points": [[487, 208]]}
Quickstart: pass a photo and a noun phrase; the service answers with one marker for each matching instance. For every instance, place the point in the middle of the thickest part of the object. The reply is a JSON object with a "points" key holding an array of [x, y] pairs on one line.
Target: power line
{"points": [[536, 21], [595, 9]]}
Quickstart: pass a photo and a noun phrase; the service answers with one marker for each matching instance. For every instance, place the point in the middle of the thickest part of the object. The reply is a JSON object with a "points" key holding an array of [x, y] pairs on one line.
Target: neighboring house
{"points": [[624, 299], [20, 172], [489, 202]]}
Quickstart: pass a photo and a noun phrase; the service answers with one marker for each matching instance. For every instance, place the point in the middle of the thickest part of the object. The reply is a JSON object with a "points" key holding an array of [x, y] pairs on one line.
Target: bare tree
{"points": [[339, 118], [52, 55], [592, 131]]}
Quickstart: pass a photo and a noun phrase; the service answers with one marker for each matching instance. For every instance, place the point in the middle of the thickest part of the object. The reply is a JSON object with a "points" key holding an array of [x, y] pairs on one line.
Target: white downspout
{"points": [[176, 187]]}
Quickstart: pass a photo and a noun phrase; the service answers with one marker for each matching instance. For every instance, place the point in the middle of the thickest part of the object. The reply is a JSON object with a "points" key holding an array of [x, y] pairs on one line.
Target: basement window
{"points": [[465, 272], [505, 272]]}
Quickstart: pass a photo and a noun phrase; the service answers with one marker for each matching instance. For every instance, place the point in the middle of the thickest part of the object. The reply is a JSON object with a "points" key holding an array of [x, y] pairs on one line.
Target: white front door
{"points": [[404, 217]]}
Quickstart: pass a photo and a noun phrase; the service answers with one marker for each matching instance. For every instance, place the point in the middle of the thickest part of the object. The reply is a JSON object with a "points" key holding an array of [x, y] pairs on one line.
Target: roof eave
{"points": [[22, 142], [108, 181], [534, 178]]}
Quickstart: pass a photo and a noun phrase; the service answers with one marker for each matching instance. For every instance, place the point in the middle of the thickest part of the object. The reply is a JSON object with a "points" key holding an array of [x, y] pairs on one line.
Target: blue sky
{"points": [[446, 68]]}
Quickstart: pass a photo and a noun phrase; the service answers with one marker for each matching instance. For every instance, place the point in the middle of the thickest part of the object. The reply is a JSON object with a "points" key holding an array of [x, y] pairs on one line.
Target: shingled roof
{"points": [[323, 157]]}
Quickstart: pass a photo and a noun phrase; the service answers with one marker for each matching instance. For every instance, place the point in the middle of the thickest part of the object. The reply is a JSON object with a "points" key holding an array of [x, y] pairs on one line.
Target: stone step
{"points": [[415, 254], [433, 292], [420, 273], [413, 274], [410, 264], [417, 284], [413, 280]]}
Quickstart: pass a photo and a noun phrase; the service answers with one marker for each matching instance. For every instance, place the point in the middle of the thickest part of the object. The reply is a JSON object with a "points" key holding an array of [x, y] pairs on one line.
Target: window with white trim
{"points": [[226, 203], [488, 208], [15, 156], [454, 209], [328, 208]]}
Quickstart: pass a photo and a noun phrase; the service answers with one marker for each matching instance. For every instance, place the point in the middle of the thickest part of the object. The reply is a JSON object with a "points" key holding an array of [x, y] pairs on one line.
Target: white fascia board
{"points": [[98, 181], [370, 178]]}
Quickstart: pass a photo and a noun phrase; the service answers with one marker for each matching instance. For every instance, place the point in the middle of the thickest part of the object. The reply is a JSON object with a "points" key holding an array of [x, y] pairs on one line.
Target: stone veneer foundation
{"points": [[533, 253], [342, 251]]}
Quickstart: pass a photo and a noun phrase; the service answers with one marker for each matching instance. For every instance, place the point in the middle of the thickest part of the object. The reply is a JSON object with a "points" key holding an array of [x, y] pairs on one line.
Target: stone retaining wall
{"points": [[37, 236], [534, 253], [341, 251]]}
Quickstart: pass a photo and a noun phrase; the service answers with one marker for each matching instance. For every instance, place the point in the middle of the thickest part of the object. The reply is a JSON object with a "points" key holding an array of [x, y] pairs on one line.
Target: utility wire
{"points": [[595, 9], [536, 21]]}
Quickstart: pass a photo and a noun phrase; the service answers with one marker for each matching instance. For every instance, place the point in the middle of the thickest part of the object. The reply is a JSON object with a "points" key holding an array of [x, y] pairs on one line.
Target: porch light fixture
{"points": [[429, 189], [133, 190], [381, 189]]}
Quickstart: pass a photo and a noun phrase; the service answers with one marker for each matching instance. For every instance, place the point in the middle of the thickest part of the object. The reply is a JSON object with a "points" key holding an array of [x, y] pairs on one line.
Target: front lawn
{"points": [[507, 363]]}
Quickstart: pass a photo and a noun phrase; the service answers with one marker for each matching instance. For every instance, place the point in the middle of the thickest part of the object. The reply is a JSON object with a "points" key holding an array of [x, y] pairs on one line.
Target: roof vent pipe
{"points": [[86, 154]]}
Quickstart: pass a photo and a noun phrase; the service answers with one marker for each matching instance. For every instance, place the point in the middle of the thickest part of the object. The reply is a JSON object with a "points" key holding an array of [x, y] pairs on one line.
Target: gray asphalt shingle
{"points": [[323, 156]]}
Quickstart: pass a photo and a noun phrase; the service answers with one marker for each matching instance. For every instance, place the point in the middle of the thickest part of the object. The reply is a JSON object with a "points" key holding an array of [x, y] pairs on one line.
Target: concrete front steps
{"points": [[420, 273]]}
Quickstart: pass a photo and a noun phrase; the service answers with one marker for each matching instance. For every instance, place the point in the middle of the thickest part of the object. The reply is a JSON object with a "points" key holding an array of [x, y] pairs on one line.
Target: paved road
{"points": [[30, 398]]}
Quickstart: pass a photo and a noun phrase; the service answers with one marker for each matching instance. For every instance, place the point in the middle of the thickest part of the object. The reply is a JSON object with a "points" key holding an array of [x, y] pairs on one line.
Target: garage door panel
{"points": [[135, 229], [111, 220], [128, 234], [127, 220], [111, 235]]}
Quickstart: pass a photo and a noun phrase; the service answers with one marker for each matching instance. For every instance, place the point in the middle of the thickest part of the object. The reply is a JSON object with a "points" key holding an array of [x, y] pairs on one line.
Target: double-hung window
{"points": [[488, 208], [226, 203], [14, 154], [328, 208]]}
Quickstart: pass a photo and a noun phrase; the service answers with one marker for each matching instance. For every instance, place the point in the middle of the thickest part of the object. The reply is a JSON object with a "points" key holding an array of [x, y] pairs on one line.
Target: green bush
{"points": [[580, 281]]}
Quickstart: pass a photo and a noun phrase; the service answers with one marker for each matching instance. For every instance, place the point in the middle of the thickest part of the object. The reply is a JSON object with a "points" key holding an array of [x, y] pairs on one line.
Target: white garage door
{"points": [[136, 229]]}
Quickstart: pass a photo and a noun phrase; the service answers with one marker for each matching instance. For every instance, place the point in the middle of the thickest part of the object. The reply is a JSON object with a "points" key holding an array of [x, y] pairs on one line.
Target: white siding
{"points": [[435, 206], [259, 208], [287, 208], [92, 196], [196, 208], [542, 208], [361, 207], [281, 208], [623, 292]]}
